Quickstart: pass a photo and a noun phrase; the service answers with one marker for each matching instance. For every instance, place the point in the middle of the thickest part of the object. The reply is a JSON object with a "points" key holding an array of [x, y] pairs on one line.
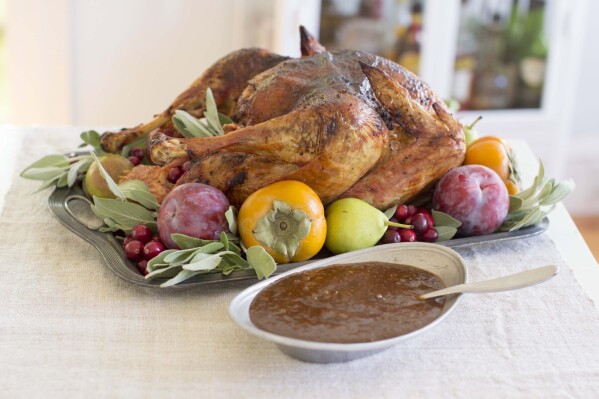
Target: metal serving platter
{"points": [[72, 208]]}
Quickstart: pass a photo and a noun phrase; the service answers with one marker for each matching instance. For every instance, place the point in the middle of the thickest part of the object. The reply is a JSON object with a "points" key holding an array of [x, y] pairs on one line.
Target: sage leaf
{"points": [[127, 214], [136, 190], [190, 126], [236, 259], [167, 272], [228, 269], [181, 256], [180, 277], [445, 232], [54, 160], [92, 138], [47, 184], [224, 119], [186, 242], [211, 247], [443, 219], [112, 186], [158, 260], [390, 212], [62, 180], [231, 216], [559, 192], [43, 173], [211, 113], [205, 263], [261, 261], [515, 203], [80, 166]]}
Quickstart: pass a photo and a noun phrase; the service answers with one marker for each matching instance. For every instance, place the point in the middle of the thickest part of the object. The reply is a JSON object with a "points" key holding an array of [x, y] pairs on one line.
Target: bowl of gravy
{"points": [[352, 305]]}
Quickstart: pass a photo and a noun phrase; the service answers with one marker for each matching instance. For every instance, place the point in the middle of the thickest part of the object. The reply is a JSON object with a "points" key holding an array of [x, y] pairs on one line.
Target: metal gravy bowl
{"points": [[437, 259]]}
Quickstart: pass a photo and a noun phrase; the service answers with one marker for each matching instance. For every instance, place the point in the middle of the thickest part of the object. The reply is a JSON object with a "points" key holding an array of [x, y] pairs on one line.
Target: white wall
{"points": [[587, 97]]}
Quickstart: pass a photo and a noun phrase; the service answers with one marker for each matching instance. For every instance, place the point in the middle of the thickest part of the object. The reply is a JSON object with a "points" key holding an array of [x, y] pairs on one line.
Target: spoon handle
{"points": [[506, 283]]}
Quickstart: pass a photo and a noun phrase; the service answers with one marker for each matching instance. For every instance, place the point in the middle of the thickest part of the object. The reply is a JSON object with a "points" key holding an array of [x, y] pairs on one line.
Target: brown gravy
{"points": [[361, 302]]}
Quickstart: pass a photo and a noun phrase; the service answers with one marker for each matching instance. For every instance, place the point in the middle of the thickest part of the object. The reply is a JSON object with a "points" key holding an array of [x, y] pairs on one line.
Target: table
{"points": [[68, 327]]}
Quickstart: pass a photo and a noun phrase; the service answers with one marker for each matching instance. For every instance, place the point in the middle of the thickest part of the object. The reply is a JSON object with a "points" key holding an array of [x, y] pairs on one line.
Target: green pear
{"points": [[470, 132], [115, 165], [353, 224]]}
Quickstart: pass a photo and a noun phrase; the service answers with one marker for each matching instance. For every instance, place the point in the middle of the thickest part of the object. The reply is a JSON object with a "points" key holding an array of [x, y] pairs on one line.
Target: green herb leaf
{"points": [[443, 219], [43, 173], [187, 242], [515, 203], [206, 262], [231, 216], [445, 232], [136, 190], [211, 113], [126, 214], [80, 166], [261, 262], [158, 261], [92, 138], [112, 186], [390, 212], [224, 119], [165, 272], [190, 126], [179, 278], [55, 160]]}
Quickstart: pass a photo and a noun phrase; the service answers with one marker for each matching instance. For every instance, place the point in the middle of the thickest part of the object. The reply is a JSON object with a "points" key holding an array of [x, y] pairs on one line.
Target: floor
{"points": [[589, 228]]}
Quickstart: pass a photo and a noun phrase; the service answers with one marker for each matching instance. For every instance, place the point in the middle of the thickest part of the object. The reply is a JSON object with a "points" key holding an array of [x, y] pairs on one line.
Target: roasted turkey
{"points": [[347, 123]]}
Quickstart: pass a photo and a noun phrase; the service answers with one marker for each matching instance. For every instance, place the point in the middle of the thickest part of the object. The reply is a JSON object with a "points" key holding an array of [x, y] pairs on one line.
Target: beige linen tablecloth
{"points": [[69, 327]]}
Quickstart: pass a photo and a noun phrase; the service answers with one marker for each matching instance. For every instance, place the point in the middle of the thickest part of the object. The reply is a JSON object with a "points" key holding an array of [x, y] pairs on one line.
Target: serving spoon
{"points": [[506, 283]]}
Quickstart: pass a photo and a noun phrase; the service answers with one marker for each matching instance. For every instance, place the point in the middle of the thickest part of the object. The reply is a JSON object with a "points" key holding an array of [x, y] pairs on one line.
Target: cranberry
{"points": [[186, 166], [142, 233], [134, 250], [407, 235], [174, 174], [127, 240], [134, 160], [420, 223], [412, 210], [390, 237], [429, 235], [152, 249], [137, 152], [401, 213], [142, 266]]}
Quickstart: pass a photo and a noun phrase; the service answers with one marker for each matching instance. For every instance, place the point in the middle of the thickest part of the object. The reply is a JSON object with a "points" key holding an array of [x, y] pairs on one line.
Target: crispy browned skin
{"points": [[310, 144], [227, 78], [347, 123], [423, 145], [318, 120], [155, 177]]}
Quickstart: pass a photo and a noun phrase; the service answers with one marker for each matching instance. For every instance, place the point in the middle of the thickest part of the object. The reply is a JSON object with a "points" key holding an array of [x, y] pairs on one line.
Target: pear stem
{"points": [[470, 126], [403, 226]]}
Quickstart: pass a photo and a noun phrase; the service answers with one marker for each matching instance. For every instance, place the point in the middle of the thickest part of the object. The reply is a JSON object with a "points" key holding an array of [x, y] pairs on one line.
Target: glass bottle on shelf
{"points": [[408, 47], [465, 62], [494, 83], [533, 56]]}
